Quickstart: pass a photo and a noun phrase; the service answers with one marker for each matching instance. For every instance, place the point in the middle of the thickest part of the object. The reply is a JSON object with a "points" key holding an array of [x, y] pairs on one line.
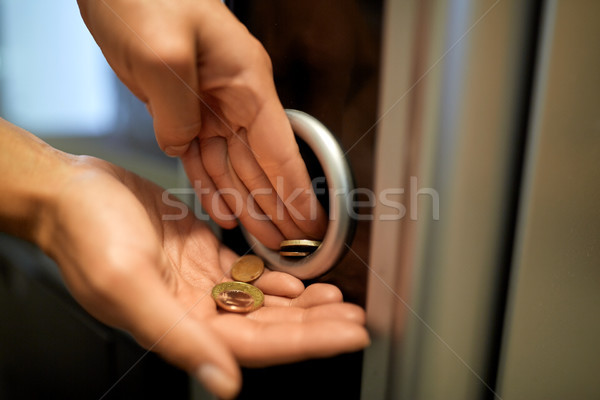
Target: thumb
{"points": [[150, 312], [192, 346]]}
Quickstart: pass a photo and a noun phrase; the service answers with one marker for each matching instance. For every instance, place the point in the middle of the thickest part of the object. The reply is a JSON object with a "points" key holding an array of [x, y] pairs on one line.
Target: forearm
{"points": [[32, 175]]}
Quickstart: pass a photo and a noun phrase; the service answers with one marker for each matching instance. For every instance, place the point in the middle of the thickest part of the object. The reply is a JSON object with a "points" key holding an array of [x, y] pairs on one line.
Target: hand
{"points": [[153, 278], [209, 87]]}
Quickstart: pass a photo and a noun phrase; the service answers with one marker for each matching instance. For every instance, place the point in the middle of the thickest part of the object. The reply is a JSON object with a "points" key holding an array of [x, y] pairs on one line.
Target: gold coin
{"points": [[235, 301], [298, 247], [300, 243], [294, 253], [238, 296], [247, 268]]}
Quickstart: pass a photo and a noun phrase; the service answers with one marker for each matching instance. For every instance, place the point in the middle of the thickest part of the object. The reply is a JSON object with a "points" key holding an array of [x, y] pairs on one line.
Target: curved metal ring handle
{"points": [[340, 229]]}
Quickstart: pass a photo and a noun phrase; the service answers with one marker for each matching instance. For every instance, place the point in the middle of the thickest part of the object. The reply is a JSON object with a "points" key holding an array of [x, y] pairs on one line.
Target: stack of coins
{"points": [[298, 247], [240, 296]]}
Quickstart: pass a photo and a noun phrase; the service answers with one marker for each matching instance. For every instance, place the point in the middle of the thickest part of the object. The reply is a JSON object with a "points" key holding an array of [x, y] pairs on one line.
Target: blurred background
{"points": [[56, 83]]}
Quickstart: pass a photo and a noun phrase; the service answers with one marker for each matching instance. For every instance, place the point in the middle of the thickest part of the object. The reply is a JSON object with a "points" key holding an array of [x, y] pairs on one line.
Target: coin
{"points": [[238, 297], [294, 253], [298, 247], [247, 268], [235, 300], [300, 243]]}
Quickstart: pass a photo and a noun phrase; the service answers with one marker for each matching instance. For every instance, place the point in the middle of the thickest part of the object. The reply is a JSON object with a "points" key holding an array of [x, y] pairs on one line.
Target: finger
{"points": [[215, 160], [314, 295], [259, 344], [205, 188], [341, 311], [168, 76], [277, 283], [280, 159], [137, 300], [274, 283], [254, 179]]}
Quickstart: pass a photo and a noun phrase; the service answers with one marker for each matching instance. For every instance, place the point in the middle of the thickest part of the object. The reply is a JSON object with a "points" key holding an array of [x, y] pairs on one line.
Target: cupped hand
{"points": [[209, 86], [152, 276]]}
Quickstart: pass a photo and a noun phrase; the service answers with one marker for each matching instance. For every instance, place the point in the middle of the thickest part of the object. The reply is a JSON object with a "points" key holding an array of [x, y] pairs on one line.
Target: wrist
{"points": [[31, 182]]}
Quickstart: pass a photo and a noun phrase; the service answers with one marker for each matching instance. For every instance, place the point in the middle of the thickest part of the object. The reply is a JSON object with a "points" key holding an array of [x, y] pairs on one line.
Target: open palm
{"points": [[151, 276]]}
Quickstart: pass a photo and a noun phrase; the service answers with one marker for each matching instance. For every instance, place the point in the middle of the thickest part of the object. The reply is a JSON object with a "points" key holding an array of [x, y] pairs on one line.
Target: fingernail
{"points": [[218, 382], [175, 151]]}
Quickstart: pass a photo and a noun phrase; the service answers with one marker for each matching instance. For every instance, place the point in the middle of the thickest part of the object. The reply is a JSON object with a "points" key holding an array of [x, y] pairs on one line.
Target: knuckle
{"points": [[168, 51], [171, 56], [258, 56]]}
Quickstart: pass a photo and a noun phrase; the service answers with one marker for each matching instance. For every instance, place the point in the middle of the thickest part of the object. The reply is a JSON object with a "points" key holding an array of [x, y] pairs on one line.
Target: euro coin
{"points": [[247, 268], [238, 297], [294, 253], [298, 247], [300, 243]]}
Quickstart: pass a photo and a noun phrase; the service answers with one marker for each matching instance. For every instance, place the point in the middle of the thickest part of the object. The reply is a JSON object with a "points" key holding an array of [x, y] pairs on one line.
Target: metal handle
{"points": [[340, 229]]}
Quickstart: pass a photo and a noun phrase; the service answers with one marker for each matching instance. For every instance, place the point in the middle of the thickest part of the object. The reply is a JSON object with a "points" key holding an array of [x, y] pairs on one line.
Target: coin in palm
{"points": [[247, 268]]}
